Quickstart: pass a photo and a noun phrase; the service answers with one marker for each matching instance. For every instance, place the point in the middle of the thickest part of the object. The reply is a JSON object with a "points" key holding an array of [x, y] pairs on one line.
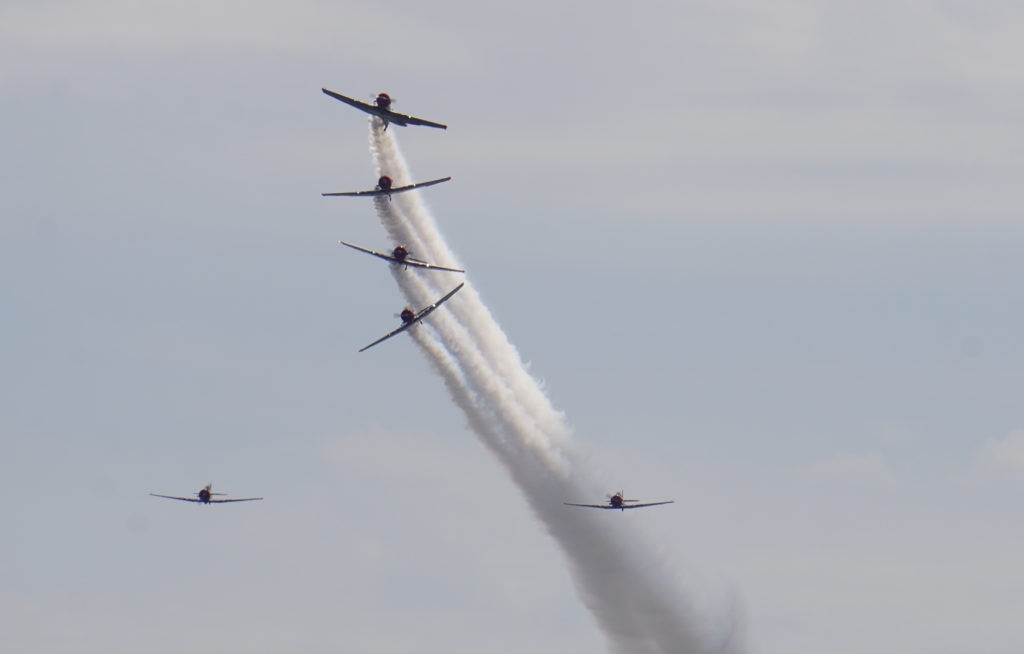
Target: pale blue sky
{"points": [[766, 259]]}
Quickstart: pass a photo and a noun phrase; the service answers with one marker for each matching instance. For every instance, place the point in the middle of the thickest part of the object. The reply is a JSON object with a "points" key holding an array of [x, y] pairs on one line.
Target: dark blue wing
{"points": [[173, 497]]}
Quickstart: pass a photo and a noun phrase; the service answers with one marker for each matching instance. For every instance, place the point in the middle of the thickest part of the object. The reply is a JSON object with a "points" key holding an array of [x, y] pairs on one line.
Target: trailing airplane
{"points": [[205, 496], [616, 501], [400, 255], [410, 318], [381, 108], [384, 187]]}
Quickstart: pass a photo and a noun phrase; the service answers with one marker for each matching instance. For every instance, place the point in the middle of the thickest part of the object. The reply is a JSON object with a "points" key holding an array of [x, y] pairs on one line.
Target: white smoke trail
{"points": [[419, 227], [632, 593]]}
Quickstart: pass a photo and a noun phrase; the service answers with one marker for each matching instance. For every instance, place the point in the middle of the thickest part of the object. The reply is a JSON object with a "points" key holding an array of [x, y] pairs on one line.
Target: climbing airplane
{"points": [[205, 497], [381, 108], [409, 318], [616, 501], [400, 255], [384, 187]]}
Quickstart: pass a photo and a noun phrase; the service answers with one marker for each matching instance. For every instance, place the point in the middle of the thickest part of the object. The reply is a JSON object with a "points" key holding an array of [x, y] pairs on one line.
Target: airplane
{"points": [[381, 108], [400, 255], [205, 497], [409, 318], [384, 187], [616, 501]]}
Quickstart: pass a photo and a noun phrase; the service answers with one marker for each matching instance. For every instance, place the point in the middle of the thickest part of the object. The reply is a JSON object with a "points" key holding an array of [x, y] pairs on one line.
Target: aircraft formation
{"points": [[400, 256]]}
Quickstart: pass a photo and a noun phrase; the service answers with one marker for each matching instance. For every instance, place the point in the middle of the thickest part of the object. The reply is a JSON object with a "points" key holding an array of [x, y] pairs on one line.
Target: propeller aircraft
{"points": [[410, 318], [385, 187], [381, 108], [400, 255], [617, 501], [205, 496]]}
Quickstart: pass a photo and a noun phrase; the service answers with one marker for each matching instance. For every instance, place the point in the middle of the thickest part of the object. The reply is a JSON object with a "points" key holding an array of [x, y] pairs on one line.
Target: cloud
{"points": [[1004, 454]]}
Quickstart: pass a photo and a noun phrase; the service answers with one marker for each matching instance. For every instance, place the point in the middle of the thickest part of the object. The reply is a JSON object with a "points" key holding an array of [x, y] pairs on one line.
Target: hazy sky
{"points": [[767, 259]]}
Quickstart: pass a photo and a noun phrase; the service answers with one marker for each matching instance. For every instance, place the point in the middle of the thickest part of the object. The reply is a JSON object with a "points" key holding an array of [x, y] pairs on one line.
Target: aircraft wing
{"points": [[412, 120], [394, 333], [173, 497], [377, 192], [419, 263], [238, 499], [358, 104], [422, 184], [426, 311], [387, 257], [637, 506], [357, 194], [384, 114], [619, 508], [419, 316]]}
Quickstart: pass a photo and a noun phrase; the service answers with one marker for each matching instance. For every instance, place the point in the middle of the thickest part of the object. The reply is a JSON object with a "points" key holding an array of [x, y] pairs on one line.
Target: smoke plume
{"points": [[636, 597]]}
